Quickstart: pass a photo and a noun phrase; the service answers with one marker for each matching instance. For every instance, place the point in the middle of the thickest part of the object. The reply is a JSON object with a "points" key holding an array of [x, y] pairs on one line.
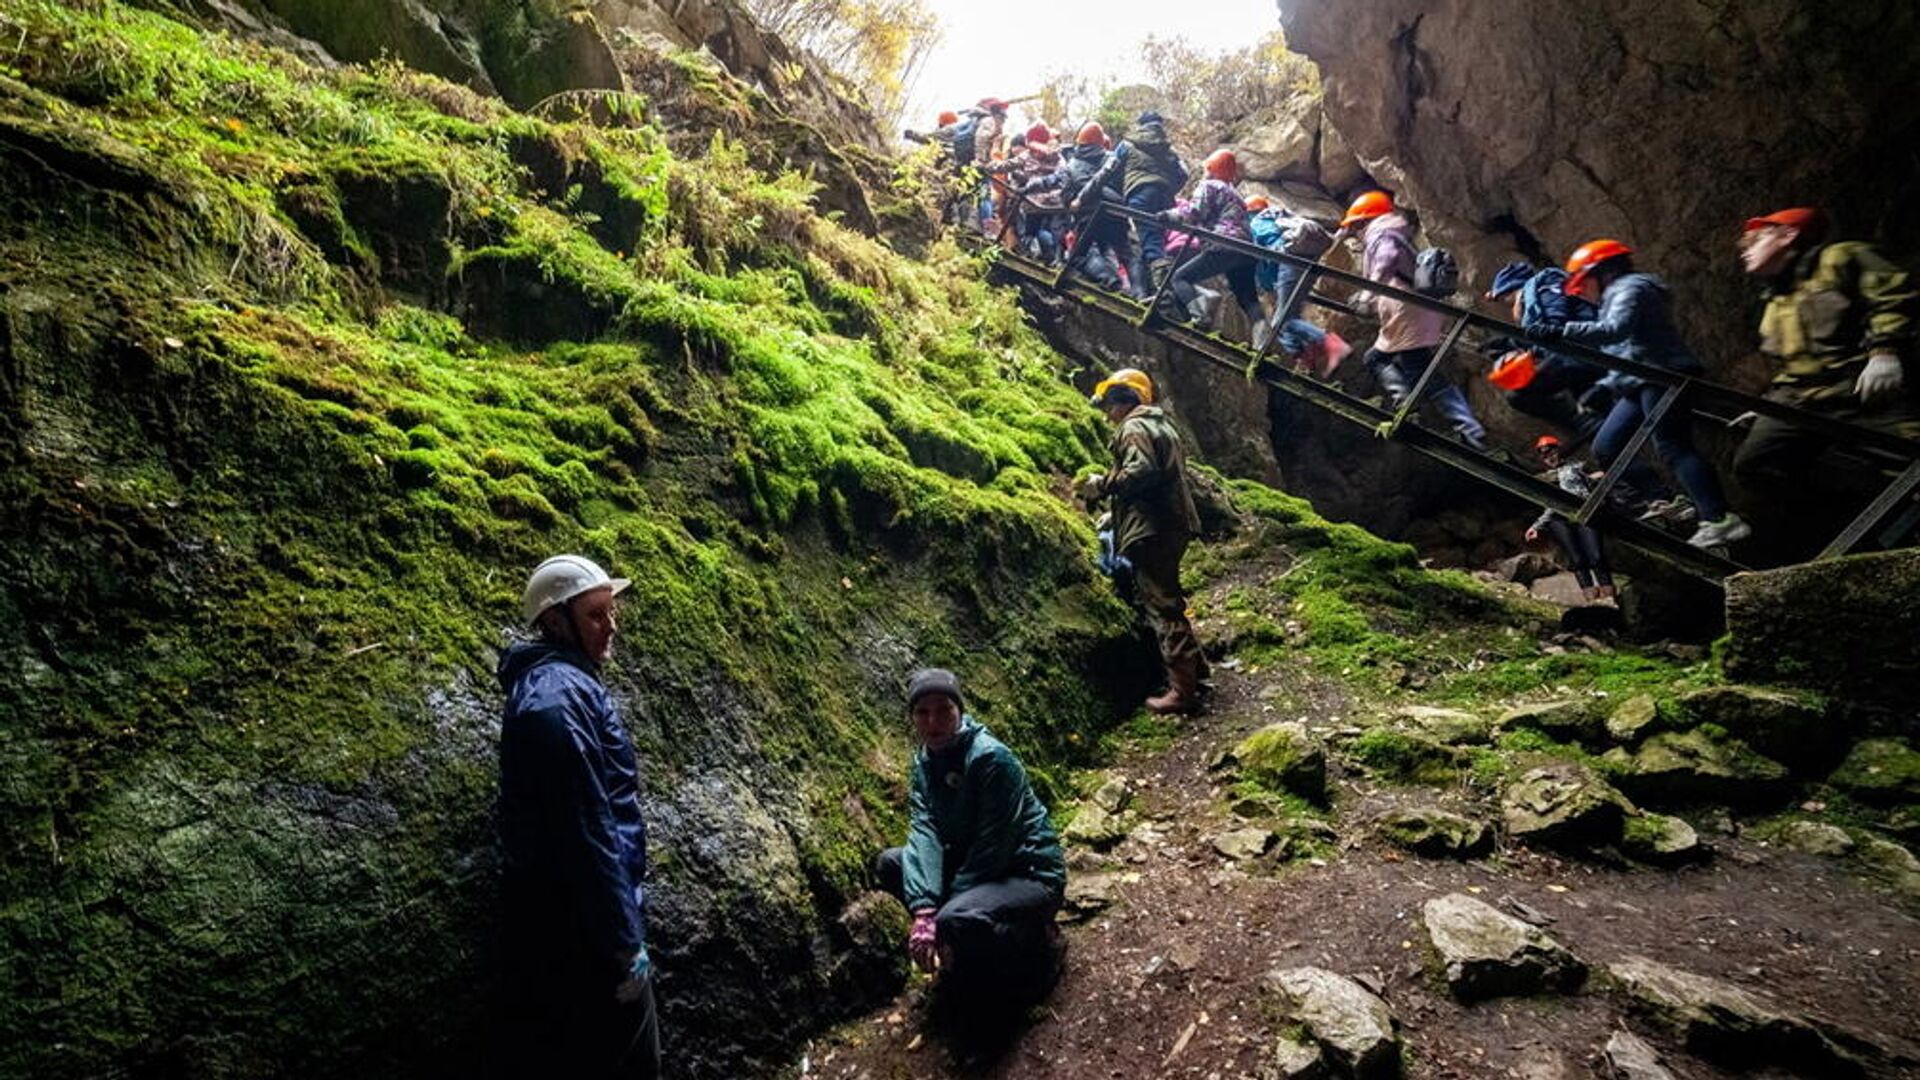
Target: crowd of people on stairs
{"points": [[1839, 320]]}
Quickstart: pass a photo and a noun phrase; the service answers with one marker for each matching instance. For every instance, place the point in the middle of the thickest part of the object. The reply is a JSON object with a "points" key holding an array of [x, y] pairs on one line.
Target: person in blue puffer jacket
{"points": [[577, 973], [1635, 322]]}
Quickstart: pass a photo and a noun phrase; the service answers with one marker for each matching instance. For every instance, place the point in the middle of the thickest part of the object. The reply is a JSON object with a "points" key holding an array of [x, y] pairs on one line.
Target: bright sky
{"points": [[1009, 48]]}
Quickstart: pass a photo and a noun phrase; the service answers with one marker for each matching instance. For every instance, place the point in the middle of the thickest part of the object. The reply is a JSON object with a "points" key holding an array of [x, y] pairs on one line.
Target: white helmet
{"points": [[562, 578]]}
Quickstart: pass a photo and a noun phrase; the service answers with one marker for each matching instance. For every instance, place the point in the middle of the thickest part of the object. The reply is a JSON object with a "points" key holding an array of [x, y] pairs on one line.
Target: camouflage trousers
{"points": [[1156, 567]]}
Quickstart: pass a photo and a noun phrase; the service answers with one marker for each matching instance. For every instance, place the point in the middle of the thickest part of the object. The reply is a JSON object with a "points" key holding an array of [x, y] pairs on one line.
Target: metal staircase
{"points": [[1899, 456]]}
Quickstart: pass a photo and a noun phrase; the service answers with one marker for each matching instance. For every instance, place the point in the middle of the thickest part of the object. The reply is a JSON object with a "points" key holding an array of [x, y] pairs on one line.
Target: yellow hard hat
{"points": [[1132, 378]]}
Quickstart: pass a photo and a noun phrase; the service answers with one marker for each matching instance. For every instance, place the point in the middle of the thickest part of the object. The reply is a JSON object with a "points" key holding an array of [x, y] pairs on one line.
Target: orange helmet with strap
{"points": [[1222, 165], [1091, 134], [1371, 205], [1514, 371], [1587, 257]]}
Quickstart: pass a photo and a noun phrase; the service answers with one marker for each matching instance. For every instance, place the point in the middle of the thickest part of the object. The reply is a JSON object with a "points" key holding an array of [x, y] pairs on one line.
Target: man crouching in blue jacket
{"points": [[981, 873], [579, 982]]}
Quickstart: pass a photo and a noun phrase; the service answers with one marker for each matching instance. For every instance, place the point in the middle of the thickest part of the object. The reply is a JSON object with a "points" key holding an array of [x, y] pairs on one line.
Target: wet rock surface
{"points": [[1487, 953], [1354, 1027], [1563, 805], [1436, 833]]}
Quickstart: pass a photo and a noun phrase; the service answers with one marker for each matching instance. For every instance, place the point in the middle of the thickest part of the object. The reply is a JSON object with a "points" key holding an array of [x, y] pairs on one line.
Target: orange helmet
{"points": [[1221, 165], [1371, 205], [1091, 135], [949, 117], [1588, 256], [1514, 371], [1258, 203], [1545, 441]]}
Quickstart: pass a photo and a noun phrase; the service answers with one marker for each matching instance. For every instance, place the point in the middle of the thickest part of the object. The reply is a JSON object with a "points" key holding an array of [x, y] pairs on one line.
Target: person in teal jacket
{"points": [[981, 873]]}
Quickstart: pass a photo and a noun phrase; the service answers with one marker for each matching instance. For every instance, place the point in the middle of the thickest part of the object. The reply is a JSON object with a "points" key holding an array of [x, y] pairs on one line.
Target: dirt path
{"points": [[1166, 980]]}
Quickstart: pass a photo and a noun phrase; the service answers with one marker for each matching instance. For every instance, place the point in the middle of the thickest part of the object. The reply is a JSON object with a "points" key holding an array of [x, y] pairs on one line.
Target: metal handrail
{"points": [[1677, 386]]}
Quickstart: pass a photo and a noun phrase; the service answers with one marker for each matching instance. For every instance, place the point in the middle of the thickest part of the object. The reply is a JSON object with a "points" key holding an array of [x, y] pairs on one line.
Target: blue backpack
{"points": [[963, 140]]}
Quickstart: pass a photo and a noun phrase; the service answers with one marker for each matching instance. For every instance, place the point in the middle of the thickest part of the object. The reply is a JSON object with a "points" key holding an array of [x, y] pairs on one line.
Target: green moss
{"points": [[332, 369], [1405, 757]]}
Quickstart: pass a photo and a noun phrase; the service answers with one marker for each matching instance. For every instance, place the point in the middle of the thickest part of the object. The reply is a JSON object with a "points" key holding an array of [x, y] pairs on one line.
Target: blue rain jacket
{"points": [[575, 847]]}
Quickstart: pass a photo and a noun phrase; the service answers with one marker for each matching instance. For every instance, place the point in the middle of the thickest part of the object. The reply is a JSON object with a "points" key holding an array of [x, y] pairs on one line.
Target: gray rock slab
{"points": [[1486, 953]]}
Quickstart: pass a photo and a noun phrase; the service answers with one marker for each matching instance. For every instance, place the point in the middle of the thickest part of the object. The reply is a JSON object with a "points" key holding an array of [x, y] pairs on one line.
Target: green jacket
{"points": [[972, 819], [1838, 303], [1150, 159], [1148, 481]]}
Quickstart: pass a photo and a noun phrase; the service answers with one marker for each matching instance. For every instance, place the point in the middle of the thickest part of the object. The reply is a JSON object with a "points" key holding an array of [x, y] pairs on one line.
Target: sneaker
{"points": [[1334, 350], [1727, 530], [1678, 510], [1262, 333]]}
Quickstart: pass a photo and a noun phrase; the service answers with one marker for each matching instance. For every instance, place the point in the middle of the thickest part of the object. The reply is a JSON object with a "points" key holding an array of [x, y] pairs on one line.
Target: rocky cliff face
{"points": [[1526, 130], [301, 368]]}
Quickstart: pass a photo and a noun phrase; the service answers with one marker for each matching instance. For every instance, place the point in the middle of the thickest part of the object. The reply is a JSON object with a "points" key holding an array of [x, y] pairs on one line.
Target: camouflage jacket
{"points": [[1832, 308], [1148, 481]]}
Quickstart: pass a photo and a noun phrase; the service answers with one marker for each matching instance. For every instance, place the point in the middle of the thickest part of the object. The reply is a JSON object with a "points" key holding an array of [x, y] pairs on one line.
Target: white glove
{"points": [[1882, 379]]}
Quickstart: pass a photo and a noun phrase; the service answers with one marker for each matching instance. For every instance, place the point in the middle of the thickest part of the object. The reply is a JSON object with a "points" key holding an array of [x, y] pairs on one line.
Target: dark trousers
{"points": [[1151, 199], [1672, 440], [1156, 575], [1585, 557], [555, 1030], [998, 936], [1237, 268], [1802, 505], [1398, 371]]}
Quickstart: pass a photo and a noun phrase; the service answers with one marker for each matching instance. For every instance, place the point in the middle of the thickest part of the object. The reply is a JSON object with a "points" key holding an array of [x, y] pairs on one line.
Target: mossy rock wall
{"points": [[274, 462]]}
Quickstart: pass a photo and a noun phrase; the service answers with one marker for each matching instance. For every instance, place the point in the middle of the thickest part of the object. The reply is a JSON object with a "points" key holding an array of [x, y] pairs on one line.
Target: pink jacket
{"points": [[1389, 260]]}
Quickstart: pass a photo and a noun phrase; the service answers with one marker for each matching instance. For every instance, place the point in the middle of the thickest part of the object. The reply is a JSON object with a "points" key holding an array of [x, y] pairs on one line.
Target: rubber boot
{"points": [[1183, 689]]}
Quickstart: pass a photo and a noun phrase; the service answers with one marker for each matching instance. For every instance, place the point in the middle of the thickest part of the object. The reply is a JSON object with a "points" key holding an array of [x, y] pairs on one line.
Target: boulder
{"points": [[1487, 953], [1630, 1058], [1660, 839], [1113, 795], [1845, 627], [1904, 823], [1436, 833], [1881, 771], [1243, 844], [1296, 1059], [1633, 719], [1354, 1028], [1451, 726], [1405, 756], [1896, 863], [1565, 721], [1088, 894], [1784, 726], [1815, 838], [1563, 804], [1527, 567], [1095, 826], [1680, 767], [1738, 1027], [1284, 757]]}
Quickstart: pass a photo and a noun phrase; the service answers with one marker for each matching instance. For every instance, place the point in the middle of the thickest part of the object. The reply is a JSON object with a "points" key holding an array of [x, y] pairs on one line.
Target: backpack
{"points": [[1305, 237], [963, 140], [1435, 273]]}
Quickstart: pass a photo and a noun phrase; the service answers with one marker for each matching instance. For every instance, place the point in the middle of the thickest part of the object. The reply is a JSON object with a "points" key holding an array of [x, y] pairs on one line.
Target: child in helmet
{"points": [[1581, 543], [1216, 206]]}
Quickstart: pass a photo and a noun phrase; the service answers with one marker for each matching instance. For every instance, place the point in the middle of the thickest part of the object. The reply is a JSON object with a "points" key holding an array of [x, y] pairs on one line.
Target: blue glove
{"points": [[635, 983]]}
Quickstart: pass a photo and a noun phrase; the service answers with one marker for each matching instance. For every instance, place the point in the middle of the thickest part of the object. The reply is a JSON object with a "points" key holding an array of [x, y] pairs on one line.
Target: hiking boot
{"points": [[1727, 530], [1183, 689], [1333, 350]]}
